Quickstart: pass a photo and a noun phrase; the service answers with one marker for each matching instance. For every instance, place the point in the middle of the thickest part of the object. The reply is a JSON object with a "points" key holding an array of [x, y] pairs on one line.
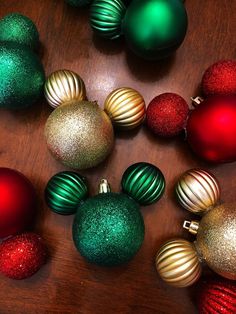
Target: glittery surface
{"points": [[108, 229], [22, 256], [78, 3], [20, 29], [216, 240], [21, 76], [79, 134]]}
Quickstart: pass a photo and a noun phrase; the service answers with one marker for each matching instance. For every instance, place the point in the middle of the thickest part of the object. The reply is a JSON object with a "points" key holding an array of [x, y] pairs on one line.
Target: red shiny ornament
{"points": [[17, 202], [220, 78], [166, 114], [211, 129], [217, 297], [21, 256]]}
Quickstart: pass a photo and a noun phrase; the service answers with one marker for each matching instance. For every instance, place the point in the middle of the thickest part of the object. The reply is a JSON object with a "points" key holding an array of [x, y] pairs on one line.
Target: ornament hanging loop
{"points": [[191, 226], [104, 186]]}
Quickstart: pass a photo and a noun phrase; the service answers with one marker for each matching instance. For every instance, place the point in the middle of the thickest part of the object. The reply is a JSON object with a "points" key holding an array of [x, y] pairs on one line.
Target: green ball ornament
{"points": [[143, 182], [21, 76], [106, 17], [65, 191], [78, 3], [20, 29], [155, 28]]}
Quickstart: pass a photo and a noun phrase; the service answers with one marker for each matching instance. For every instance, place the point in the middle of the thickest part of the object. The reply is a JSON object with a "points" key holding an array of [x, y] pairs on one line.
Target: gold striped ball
{"points": [[64, 86], [126, 108], [198, 191], [178, 264]]}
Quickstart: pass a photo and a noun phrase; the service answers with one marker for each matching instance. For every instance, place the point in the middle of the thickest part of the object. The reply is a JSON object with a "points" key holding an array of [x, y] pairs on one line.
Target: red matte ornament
{"points": [[17, 202]]}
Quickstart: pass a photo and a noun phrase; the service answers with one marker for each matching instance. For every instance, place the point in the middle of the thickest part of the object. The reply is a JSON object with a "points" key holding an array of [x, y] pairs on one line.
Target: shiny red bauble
{"points": [[217, 296], [21, 256], [211, 129], [220, 78], [166, 114], [17, 202]]}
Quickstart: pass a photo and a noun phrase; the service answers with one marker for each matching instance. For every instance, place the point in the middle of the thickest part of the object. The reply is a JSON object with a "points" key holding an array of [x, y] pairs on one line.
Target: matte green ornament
{"points": [[21, 76], [108, 229], [65, 191], [78, 3], [155, 28], [143, 182], [20, 29], [106, 17]]}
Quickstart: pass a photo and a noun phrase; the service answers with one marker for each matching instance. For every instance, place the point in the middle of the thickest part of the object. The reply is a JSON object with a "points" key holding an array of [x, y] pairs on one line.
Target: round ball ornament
{"points": [[22, 256], [78, 3], [17, 202]]}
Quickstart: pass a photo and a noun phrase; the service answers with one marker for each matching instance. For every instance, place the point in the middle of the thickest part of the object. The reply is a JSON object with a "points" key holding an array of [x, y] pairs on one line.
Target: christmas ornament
{"points": [[217, 296], [65, 191], [143, 182], [78, 132], [22, 256], [220, 78], [17, 202], [167, 114], [211, 129], [78, 3], [20, 29], [198, 191]]}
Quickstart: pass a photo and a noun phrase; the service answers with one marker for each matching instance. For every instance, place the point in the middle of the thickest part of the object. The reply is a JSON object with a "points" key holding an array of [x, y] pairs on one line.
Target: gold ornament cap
{"points": [[178, 264], [126, 108], [64, 86], [198, 191]]}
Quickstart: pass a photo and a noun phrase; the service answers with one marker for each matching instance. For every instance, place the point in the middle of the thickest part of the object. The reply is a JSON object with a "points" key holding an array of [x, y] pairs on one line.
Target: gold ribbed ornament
{"points": [[178, 264], [198, 191], [126, 108], [64, 86]]}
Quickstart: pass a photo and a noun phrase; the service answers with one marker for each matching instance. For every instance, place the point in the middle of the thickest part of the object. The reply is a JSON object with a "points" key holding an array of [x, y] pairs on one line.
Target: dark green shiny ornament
{"points": [[108, 229], [143, 182], [79, 3], [65, 191], [155, 28], [20, 29], [21, 76], [106, 17]]}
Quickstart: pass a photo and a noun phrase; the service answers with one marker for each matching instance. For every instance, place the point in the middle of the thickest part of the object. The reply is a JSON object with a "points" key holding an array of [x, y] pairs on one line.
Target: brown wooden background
{"points": [[67, 284]]}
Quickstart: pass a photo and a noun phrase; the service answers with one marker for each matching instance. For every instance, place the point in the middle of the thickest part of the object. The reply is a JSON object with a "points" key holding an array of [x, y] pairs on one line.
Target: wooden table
{"points": [[67, 284]]}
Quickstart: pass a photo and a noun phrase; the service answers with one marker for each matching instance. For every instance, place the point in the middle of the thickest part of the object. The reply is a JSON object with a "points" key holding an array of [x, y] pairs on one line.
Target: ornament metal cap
{"points": [[191, 226], [104, 186]]}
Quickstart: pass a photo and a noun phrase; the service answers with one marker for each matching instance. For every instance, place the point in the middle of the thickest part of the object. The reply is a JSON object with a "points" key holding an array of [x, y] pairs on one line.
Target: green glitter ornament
{"points": [[20, 29], [21, 76], [78, 3], [65, 191], [106, 17], [143, 182]]}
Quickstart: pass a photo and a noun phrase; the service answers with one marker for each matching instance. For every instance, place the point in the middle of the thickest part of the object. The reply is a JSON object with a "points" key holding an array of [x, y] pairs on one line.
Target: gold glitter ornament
{"points": [[126, 108], [198, 191], [64, 86], [178, 264], [79, 134]]}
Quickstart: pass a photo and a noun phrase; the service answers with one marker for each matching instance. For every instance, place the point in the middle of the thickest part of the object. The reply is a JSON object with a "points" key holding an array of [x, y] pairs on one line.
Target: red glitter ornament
{"points": [[217, 296], [17, 202], [220, 78], [166, 114], [21, 256], [211, 129]]}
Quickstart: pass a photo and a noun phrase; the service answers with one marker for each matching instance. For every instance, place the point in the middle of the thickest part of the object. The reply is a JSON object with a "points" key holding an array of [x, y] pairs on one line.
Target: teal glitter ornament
{"points": [[78, 3], [143, 182], [106, 17], [20, 29], [65, 191], [21, 76]]}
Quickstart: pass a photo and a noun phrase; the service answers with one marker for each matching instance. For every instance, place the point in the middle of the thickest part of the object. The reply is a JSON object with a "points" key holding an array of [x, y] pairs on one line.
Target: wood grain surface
{"points": [[67, 284]]}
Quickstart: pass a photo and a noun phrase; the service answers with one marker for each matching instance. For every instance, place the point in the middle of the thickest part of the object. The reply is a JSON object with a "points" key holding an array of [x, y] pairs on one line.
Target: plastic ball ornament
{"points": [[78, 3], [22, 256], [17, 202], [167, 115], [20, 29]]}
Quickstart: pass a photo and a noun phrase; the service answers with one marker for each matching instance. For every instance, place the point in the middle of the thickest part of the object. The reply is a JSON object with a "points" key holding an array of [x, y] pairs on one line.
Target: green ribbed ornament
{"points": [[143, 182], [106, 17], [65, 191]]}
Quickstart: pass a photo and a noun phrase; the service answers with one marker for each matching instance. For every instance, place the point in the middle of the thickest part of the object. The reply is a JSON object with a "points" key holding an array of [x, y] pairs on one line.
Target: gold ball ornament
{"points": [[178, 264], [64, 86], [79, 134], [125, 107], [198, 191]]}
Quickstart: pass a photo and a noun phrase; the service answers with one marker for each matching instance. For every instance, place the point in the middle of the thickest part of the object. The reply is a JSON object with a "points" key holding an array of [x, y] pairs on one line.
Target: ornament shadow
{"points": [[108, 47]]}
